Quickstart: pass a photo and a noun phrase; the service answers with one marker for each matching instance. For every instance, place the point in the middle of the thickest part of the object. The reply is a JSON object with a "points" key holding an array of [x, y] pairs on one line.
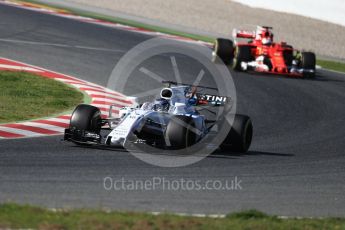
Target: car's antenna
{"points": [[170, 83]]}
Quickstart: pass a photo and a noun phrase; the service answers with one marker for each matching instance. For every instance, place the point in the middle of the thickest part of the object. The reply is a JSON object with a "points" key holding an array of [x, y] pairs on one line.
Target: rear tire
{"points": [[240, 135], [179, 132], [308, 61], [242, 54], [86, 118], [224, 49]]}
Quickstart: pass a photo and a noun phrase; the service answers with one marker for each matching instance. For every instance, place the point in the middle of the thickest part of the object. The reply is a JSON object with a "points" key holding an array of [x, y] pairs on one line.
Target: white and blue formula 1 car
{"points": [[173, 121]]}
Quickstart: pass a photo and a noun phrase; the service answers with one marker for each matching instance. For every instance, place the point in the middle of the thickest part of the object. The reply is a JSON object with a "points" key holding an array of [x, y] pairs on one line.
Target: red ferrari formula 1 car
{"points": [[261, 54]]}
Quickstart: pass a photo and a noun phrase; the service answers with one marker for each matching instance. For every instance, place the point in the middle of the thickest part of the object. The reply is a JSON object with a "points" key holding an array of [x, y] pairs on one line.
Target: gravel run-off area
{"points": [[221, 16]]}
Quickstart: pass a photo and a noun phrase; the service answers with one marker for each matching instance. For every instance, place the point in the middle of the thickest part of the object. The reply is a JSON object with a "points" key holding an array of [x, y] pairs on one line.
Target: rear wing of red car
{"points": [[249, 34], [243, 34]]}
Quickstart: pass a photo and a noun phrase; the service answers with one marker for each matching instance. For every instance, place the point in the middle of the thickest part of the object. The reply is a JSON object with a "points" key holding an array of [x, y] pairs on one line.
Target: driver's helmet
{"points": [[161, 104], [267, 38], [190, 92], [265, 35]]}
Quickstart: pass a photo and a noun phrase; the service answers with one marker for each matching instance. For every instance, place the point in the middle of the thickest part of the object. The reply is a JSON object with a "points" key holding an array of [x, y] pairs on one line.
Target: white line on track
{"points": [[334, 71], [61, 45]]}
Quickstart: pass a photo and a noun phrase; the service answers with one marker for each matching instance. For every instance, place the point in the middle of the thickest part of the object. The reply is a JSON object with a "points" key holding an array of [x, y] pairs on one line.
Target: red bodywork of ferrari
{"points": [[279, 54], [261, 54]]}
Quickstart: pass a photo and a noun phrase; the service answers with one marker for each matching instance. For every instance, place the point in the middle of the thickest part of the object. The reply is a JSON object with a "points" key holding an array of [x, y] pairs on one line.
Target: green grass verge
{"points": [[25, 96], [23, 217], [332, 65]]}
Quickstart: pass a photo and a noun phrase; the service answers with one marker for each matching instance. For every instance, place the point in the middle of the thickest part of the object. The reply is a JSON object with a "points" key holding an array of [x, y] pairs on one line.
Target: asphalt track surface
{"points": [[295, 166]]}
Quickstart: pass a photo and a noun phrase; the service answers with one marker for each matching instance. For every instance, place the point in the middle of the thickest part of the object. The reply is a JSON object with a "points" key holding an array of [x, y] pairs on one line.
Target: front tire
{"points": [[179, 132], [240, 135], [308, 61], [242, 54], [86, 118], [224, 49]]}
